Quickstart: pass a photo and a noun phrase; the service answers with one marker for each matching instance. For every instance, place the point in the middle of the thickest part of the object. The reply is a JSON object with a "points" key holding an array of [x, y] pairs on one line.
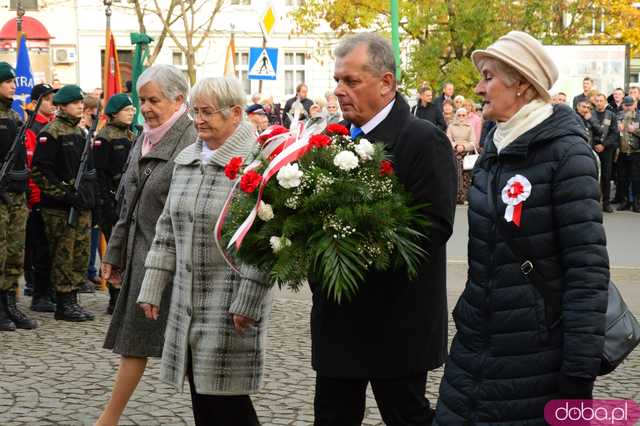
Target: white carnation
{"points": [[278, 243], [265, 212], [364, 149], [289, 176], [346, 160]]}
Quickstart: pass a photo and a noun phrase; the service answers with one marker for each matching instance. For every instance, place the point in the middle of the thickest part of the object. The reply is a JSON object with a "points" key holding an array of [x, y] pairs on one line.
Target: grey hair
{"points": [[170, 79], [510, 77], [223, 92], [380, 53]]}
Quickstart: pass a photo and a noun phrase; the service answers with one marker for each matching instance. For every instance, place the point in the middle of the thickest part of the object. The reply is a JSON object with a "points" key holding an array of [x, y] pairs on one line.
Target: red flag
{"points": [[112, 82]]}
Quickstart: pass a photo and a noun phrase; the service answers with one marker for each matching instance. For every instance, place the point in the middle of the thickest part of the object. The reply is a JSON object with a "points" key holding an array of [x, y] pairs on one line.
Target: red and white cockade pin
{"points": [[515, 192], [43, 139]]}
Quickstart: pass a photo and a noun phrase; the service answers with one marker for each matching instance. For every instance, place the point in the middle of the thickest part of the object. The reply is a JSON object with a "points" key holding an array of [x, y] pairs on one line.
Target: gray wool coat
{"points": [[130, 332], [206, 291]]}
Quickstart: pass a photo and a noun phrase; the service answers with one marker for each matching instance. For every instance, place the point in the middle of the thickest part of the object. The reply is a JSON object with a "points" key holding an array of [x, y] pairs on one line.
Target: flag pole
{"points": [[105, 77], [395, 34], [20, 14]]}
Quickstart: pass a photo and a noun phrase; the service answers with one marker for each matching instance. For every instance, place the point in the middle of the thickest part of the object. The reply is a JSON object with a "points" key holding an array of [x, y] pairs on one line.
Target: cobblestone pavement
{"points": [[60, 375]]}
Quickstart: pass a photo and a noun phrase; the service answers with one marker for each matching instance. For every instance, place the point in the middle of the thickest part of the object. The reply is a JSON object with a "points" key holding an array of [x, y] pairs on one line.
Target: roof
{"points": [[33, 29]]}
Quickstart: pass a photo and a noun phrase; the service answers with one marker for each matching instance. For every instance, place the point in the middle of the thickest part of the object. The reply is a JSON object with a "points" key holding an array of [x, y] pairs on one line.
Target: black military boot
{"points": [[66, 309], [88, 314], [5, 321], [113, 298], [41, 301], [17, 316]]}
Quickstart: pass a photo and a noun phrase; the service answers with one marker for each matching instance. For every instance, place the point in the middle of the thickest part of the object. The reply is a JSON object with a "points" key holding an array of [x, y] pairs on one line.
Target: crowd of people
{"points": [[156, 193]]}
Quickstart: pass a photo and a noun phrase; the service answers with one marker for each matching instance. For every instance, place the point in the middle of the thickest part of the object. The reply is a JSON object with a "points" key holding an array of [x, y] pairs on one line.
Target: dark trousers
{"points": [[36, 253], [401, 401], [629, 174], [221, 410], [606, 168]]}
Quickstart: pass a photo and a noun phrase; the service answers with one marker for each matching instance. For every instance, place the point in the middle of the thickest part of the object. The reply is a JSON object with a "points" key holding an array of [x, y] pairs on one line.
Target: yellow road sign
{"points": [[268, 20]]}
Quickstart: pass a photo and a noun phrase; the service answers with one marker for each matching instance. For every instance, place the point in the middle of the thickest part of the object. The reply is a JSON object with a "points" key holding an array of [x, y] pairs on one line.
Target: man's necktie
{"points": [[355, 132]]}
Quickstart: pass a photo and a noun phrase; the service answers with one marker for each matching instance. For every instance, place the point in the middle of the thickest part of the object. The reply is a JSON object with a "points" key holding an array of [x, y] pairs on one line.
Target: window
{"points": [[179, 59], [294, 71], [242, 70], [241, 2], [26, 4]]}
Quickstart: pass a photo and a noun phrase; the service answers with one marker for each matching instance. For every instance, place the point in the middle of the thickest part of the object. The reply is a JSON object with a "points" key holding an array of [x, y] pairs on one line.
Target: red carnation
{"points": [[232, 167], [320, 141], [271, 132], [250, 181], [337, 129], [386, 168]]}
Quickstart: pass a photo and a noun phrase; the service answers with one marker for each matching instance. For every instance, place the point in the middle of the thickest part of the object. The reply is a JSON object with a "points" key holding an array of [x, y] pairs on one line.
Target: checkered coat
{"points": [[205, 290]]}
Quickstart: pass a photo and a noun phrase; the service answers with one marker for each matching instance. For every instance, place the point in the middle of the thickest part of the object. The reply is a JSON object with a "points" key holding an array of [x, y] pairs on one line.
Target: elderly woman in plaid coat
{"points": [[217, 320]]}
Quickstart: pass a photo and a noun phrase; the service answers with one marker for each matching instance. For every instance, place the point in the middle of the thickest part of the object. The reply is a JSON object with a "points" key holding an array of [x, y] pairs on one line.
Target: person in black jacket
{"points": [[426, 110], [533, 213], [394, 330], [299, 104], [605, 140], [54, 168], [13, 207]]}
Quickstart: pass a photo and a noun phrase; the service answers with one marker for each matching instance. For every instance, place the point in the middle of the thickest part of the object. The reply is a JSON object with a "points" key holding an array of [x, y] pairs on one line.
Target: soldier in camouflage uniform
{"points": [[110, 150], [13, 209], [55, 164], [629, 158]]}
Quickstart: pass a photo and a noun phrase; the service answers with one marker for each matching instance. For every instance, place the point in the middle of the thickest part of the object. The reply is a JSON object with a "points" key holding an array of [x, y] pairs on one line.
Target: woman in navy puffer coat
{"points": [[534, 188]]}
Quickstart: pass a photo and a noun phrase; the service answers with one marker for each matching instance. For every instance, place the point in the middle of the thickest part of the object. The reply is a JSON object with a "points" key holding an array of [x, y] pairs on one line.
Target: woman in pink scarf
{"points": [[168, 129]]}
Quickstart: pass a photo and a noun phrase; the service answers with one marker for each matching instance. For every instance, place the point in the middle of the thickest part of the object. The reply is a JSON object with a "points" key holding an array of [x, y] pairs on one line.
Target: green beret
{"points": [[68, 94], [7, 72], [117, 102]]}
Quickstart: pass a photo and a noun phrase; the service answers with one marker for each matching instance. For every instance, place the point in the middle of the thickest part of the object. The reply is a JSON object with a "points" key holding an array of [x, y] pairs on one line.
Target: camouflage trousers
{"points": [[13, 223], [68, 247]]}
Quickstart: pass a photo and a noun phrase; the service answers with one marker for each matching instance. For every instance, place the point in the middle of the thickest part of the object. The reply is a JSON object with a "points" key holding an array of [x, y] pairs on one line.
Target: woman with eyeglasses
{"points": [[463, 141], [217, 315], [163, 91]]}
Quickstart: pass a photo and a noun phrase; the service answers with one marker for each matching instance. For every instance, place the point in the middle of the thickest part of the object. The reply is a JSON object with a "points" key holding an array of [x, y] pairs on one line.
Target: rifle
{"points": [[73, 213], [10, 157]]}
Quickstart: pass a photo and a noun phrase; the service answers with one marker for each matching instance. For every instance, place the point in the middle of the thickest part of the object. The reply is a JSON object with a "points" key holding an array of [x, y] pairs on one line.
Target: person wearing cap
{"points": [[258, 117], [13, 208], [535, 228], [629, 158], [55, 165], [605, 139], [110, 151], [37, 268]]}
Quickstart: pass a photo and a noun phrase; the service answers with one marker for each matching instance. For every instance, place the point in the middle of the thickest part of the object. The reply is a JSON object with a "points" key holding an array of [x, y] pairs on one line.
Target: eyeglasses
{"points": [[204, 113]]}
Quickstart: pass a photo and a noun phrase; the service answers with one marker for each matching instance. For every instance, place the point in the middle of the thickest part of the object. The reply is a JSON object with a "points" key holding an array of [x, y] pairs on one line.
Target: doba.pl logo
{"points": [[587, 412]]}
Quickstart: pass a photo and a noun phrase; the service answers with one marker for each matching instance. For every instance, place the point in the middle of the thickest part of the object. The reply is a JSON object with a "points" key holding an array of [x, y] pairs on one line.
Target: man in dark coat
{"points": [[299, 103], [605, 141], [427, 110], [587, 84], [447, 95], [394, 330]]}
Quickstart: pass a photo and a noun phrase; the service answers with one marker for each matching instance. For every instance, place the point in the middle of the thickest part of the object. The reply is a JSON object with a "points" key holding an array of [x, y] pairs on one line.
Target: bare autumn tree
{"points": [[188, 23]]}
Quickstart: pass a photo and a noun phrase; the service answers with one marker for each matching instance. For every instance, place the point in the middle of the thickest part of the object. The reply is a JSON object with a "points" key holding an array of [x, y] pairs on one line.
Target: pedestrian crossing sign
{"points": [[263, 63]]}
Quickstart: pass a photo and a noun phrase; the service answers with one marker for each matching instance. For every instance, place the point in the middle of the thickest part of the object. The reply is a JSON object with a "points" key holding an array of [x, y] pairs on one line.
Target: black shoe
{"points": [[87, 287], [5, 321], [626, 205], [113, 298], [42, 304], [606, 207], [67, 310], [17, 316], [636, 205]]}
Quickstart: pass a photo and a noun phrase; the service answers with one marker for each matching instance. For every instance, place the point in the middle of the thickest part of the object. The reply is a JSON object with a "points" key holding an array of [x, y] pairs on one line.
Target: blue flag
{"points": [[24, 79]]}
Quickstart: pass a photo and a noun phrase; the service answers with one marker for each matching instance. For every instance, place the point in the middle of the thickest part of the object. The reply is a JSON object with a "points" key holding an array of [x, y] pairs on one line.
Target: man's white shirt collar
{"points": [[377, 119]]}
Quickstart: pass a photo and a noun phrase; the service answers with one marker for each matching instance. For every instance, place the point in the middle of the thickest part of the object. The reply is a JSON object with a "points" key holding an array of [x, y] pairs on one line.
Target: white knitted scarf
{"points": [[528, 117]]}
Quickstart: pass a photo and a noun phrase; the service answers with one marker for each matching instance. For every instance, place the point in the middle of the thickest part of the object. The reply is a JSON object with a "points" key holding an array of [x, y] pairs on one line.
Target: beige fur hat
{"points": [[526, 55]]}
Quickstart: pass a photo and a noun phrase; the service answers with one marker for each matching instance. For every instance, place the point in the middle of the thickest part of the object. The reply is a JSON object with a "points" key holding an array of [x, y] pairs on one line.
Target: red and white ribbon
{"points": [[295, 144], [514, 193]]}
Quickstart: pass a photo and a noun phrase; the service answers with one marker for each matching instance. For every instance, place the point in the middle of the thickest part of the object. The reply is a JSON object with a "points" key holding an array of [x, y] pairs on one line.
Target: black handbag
{"points": [[622, 331]]}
